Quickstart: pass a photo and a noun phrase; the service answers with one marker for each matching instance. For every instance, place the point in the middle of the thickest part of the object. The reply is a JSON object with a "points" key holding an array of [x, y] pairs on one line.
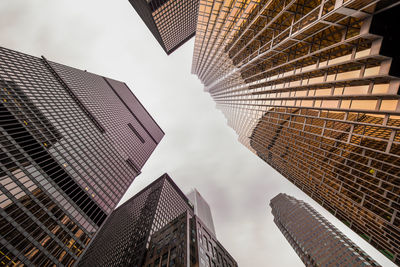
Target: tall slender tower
{"points": [[172, 22], [315, 240], [312, 88], [72, 142], [156, 226], [201, 209]]}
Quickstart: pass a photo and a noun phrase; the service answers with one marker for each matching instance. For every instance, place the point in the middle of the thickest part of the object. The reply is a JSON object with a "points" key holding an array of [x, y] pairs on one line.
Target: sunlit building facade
{"points": [[312, 87], [72, 142], [172, 22], [315, 240]]}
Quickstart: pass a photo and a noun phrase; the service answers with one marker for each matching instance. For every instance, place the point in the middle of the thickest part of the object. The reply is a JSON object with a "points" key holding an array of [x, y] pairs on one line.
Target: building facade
{"points": [[71, 144], [171, 22], [124, 238], [315, 239], [174, 244], [156, 227], [311, 87], [209, 250], [202, 209]]}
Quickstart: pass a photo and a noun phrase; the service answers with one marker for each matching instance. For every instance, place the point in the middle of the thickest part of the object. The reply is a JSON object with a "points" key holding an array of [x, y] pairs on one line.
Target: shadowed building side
{"points": [[68, 154], [125, 236], [171, 22]]}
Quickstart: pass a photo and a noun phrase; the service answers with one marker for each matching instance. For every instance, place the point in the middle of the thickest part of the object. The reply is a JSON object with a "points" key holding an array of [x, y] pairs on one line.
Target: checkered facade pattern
{"points": [[68, 155], [311, 87]]}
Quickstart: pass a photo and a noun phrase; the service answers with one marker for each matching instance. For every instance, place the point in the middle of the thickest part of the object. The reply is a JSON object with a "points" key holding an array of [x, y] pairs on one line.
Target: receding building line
{"points": [[122, 100], [72, 94]]}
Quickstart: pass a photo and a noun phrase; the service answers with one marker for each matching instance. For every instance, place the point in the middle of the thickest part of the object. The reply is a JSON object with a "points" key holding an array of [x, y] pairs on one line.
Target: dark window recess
{"points": [[156, 4], [136, 132], [133, 165], [12, 127], [73, 96]]}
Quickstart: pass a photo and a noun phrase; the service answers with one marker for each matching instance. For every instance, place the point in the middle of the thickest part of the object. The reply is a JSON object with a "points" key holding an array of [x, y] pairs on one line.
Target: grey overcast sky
{"points": [[199, 149]]}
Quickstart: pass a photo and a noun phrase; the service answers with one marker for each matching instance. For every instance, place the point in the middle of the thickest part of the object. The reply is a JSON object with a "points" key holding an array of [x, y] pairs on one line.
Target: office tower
{"points": [[201, 209], [124, 238], [156, 226], [171, 22], [189, 237], [170, 246], [311, 87], [71, 144], [209, 250], [315, 240]]}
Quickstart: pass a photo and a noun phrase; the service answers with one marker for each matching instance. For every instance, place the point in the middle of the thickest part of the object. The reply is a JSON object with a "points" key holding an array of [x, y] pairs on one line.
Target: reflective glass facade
{"points": [[171, 245], [315, 240], [156, 227], [186, 241], [125, 236], [172, 22], [312, 87], [210, 251], [67, 156]]}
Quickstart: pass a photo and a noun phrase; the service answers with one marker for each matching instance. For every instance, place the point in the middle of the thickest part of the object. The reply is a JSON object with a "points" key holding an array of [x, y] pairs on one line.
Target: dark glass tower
{"points": [[202, 209], [315, 240], [156, 226], [71, 144], [186, 241], [171, 22]]}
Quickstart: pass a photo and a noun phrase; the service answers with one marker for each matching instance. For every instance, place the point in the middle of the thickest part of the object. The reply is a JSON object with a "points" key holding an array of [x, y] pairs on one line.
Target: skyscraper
{"points": [[315, 240], [201, 209], [156, 226], [311, 87], [124, 238], [209, 250], [71, 144], [186, 241], [171, 22]]}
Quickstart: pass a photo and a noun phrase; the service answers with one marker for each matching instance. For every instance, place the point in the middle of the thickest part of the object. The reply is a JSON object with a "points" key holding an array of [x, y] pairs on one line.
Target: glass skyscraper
{"points": [[156, 227], [315, 240], [171, 22], [72, 142], [201, 209], [312, 87]]}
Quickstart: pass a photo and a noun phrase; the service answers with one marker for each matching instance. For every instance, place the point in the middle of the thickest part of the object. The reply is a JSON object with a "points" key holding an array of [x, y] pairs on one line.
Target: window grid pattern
{"points": [[315, 239], [172, 22], [307, 88], [186, 241], [210, 250], [176, 21], [56, 168], [169, 246], [114, 116], [126, 235]]}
